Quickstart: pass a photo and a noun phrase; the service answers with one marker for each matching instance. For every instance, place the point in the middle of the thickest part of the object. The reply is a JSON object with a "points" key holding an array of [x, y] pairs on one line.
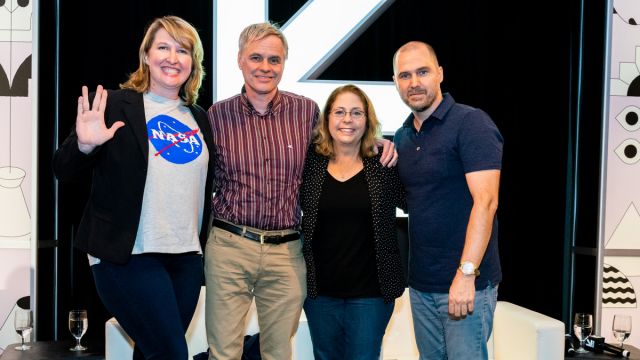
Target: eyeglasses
{"points": [[355, 114]]}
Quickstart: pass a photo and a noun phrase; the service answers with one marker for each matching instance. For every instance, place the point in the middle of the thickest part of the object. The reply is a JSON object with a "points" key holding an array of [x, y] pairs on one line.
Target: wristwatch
{"points": [[468, 268]]}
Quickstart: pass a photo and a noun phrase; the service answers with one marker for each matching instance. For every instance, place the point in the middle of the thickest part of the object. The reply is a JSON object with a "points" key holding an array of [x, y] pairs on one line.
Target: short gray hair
{"points": [[257, 32]]}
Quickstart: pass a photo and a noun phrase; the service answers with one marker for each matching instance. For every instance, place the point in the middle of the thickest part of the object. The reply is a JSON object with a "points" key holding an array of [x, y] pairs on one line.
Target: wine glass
{"points": [[78, 326], [582, 329], [621, 327], [24, 325]]}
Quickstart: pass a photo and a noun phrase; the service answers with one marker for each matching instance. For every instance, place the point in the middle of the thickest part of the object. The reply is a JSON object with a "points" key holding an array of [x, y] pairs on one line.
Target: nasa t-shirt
{"points": [[176, 176], [174, 192]]}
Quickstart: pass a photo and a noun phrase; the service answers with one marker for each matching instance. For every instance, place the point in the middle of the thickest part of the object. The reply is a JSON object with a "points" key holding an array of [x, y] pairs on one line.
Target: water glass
{"points": [[582, 329], [621, 327], [23, 325], [78, 326]]}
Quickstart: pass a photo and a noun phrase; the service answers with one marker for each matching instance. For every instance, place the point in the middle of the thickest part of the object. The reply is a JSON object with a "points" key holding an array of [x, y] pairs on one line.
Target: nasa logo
{"points": [[173, 140]]}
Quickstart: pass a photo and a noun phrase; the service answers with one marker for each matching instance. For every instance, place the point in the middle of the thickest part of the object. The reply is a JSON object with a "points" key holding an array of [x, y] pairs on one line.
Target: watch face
{"points": [[467, 268]]}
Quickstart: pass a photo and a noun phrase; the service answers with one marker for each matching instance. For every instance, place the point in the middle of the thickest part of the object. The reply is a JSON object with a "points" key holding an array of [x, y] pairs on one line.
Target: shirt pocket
{"points": [[292, 164], [432, 166]]}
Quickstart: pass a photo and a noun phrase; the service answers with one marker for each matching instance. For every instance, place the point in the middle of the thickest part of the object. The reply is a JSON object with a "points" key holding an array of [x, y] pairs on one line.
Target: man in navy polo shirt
{"points": [[450, 157]]}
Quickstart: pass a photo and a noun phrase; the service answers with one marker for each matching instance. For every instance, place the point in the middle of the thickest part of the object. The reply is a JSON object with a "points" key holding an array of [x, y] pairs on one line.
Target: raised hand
{"points": [[90, 126]]}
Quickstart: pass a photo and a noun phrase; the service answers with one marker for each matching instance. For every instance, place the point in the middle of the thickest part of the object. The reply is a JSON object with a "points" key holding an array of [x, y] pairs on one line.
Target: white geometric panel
{"points": [[628, 11], [15, 20], [617, 291], [627, 233], [637, 63], [629, 151], [628, 72], [618, 88], [629, 118], [628, 265]]}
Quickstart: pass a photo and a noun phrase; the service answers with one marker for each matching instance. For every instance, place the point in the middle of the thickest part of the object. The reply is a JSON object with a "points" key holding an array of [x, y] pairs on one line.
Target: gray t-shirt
{"points": [[173, 198]]}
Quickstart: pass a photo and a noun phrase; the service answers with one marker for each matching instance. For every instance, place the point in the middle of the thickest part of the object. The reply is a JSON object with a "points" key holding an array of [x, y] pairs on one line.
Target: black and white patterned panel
{"points": [[617, 291]]}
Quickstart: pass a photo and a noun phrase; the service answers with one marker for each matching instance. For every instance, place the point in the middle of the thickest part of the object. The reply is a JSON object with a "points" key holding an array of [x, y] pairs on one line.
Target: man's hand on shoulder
{"points": [[461, 295], [389, 154]]}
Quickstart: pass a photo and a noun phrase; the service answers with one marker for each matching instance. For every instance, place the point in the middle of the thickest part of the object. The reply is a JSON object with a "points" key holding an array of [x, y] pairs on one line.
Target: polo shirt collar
{"points": [[442, 110], [273, 107]]}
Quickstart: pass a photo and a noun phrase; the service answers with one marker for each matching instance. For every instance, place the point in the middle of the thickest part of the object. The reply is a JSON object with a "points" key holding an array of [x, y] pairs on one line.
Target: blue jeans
{"points": [[153, 299], [347, 328], [440, 337]]}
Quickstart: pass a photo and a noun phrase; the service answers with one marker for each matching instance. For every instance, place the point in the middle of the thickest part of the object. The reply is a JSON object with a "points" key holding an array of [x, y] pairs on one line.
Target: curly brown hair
{"points": [[185, 34], [372, 131]]}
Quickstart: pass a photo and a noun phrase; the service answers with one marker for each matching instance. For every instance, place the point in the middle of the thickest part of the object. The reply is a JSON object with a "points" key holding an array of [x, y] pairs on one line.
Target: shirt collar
{"points": [[442, 110], [273, 107]]}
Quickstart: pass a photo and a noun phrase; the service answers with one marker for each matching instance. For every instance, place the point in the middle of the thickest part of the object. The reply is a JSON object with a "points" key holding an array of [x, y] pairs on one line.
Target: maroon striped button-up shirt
{"points": [[260, 158]]}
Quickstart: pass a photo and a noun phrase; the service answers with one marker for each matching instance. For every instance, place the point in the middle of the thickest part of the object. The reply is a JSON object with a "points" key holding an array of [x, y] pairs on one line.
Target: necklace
{"points": [[349, 169]]}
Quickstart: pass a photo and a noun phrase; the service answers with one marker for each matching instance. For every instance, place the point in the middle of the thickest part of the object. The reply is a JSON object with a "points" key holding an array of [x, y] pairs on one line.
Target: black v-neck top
{"points": [[343, 243]]}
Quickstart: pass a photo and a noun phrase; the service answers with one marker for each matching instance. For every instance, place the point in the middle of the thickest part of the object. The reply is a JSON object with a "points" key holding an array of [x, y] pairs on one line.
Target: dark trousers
{"points": [[153, 298], [347, 329]]}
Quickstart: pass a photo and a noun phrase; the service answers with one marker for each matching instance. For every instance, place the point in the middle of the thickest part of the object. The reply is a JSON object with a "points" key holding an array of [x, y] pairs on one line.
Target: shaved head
{"points": [[417, 77], [411, 46]]}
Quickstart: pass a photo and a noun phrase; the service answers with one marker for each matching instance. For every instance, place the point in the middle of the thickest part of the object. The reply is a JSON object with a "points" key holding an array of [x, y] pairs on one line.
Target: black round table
{"points": [[635, 354], [45, 350]]}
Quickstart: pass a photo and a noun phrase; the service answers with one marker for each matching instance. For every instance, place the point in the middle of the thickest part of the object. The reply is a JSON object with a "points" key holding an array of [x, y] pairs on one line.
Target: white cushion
{"points": [[518, 334], [118, 344], [526, 335], [399, 341]]}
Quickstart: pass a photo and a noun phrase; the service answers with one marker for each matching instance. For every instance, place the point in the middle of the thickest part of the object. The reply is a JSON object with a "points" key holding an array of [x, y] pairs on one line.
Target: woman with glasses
{"points": [[349, 201]]}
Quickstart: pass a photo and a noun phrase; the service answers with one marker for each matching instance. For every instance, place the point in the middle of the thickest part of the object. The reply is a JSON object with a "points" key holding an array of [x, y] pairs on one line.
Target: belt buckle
{"points": [[262, 239]]}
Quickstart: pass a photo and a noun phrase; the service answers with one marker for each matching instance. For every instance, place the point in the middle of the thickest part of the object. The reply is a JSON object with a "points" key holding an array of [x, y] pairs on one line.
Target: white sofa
{"points": [[119, 346], [518, 333]]}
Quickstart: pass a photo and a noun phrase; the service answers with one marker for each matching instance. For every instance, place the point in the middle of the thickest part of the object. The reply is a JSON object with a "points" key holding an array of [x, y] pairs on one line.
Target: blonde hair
{"points": [[185, 34], [257, 32], [372, 131]]}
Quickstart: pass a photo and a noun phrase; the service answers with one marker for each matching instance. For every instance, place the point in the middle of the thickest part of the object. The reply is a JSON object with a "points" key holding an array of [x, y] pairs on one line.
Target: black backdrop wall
{"points": [[520, 63]]}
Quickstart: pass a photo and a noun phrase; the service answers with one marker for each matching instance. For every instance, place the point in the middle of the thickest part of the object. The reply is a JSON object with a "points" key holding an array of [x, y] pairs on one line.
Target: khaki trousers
{"points": [[237, 270]]}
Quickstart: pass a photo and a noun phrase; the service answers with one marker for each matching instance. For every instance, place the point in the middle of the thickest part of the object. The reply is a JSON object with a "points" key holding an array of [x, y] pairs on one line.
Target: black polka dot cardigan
{"points": [[386, 194]]}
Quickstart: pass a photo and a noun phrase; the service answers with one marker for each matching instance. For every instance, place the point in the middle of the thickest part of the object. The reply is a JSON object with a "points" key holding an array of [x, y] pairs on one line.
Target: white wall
{"points": [[15, 161]]}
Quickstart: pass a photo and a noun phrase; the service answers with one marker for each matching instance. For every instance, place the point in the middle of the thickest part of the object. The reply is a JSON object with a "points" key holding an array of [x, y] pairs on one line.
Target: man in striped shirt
{"points": [[254, 249]]}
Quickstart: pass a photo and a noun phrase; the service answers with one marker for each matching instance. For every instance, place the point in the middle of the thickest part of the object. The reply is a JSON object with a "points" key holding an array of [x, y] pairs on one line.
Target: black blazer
{"points": [[110, 221], [386, 194]]}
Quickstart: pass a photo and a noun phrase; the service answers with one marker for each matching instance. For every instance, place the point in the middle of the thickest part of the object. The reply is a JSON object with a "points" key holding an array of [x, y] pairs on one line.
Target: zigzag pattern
{"points": [[610, 269], [618, 286], [618, 290], [621, 280], [619, 301]]}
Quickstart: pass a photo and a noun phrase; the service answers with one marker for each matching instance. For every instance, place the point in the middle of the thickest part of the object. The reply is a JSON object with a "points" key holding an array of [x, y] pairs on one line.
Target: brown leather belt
{"points": [[262, 239]]}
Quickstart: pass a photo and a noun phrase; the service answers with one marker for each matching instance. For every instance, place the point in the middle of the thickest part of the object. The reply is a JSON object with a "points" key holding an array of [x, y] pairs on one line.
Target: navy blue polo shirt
{"points": [[455, 140]]}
